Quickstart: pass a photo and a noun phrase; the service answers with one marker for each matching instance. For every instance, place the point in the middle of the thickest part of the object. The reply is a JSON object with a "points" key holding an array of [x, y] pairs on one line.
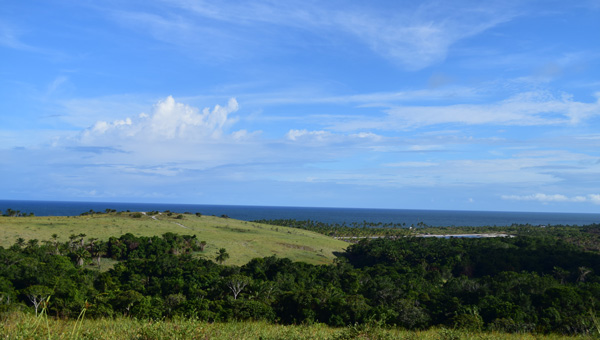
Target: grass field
{"points": [[243, 240], [26, 326]]}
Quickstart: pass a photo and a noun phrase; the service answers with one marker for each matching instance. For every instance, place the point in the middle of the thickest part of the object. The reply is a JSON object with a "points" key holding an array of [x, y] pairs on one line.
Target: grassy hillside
{"points": [[243, 240]]}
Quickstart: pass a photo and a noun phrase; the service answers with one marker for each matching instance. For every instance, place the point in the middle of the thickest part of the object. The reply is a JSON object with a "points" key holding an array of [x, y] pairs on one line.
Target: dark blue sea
{"points": [[328, 215]]}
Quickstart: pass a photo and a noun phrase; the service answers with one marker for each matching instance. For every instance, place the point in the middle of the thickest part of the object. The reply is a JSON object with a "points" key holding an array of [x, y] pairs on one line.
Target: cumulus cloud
{"points": [[169, 120], [545, 198]]}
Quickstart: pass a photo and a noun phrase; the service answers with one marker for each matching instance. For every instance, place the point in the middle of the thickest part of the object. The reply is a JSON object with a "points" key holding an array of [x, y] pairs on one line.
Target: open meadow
{"points": [[243, 240]]}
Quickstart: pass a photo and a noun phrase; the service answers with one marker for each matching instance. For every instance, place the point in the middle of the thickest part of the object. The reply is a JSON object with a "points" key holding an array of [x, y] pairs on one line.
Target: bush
{"points": [[448, 334], [471, 322], [252, 310]]}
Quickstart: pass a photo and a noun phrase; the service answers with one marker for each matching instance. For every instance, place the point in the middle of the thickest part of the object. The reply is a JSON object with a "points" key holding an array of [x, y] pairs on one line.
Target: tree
{"points": [[82, 241], [72, 243], [583, 272], [32, 243], [172, 301], [237, 283], [97, 250], [222, 255], [37, 294], [7, 291], [125, 300], [561, 274], [81, 255], [56, 244]]}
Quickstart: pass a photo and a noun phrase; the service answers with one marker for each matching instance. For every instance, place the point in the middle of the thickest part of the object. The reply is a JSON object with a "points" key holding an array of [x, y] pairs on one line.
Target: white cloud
{"points": [[410, 164], [170, 138], [323, 138], [244, 135], [525, 109], [545, 198], [413, 37], [55, 85], [10, 37], [85, 112], [13, 37], [419, 37], [297, 135], [367, 136], [595, 198], [169, 120]]}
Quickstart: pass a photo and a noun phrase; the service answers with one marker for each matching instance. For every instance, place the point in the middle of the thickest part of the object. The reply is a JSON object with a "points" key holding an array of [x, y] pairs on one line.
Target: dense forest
{"points": [[587, 237], [540, 281]]}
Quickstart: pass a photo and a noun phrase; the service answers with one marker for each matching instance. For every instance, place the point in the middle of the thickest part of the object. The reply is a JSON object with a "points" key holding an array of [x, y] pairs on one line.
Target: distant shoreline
{"points": [[341, 216], [484, 235]]}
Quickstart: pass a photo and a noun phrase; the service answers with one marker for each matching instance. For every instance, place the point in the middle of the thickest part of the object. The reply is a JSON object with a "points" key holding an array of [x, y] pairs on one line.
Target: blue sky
{"points": [[460, 105]]}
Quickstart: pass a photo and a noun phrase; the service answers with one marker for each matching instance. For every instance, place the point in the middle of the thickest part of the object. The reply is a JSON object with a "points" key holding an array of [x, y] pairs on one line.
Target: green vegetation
{"points": [[543, 281], [26, 326], [15, 213], [586, 237], [243, 240]]}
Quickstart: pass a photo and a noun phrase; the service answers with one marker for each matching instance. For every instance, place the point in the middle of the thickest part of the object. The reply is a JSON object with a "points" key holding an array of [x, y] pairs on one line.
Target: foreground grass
{"points": [[243, 240], [26, 326]]}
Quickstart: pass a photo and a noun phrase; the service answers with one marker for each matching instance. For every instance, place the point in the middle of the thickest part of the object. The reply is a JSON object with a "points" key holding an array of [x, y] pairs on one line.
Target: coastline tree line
{"points": [[532, 283]]}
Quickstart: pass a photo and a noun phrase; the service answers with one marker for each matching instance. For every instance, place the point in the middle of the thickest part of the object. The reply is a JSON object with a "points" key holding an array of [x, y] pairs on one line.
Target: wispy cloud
{"points": [[11, 38], [547, 198], [525, 109], [410, 164], [412, 37], [375, 99], [421, 36]]}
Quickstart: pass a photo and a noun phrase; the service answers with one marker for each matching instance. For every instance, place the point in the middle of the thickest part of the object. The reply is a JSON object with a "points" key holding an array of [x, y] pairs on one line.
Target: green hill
{"points": [[243, 240]]}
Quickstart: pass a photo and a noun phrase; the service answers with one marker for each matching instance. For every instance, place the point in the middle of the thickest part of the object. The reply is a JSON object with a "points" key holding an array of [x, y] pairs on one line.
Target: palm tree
{"points": [[202, 245], [82, 242], [32, 243], [81, 254], [55, 243], [72, 239], [97, 251], [222, 255], [91, 244]]}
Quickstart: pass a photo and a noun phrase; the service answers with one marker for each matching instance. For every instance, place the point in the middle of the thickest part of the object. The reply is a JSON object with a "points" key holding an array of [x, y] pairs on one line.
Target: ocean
{"points": [[329, 215]]}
